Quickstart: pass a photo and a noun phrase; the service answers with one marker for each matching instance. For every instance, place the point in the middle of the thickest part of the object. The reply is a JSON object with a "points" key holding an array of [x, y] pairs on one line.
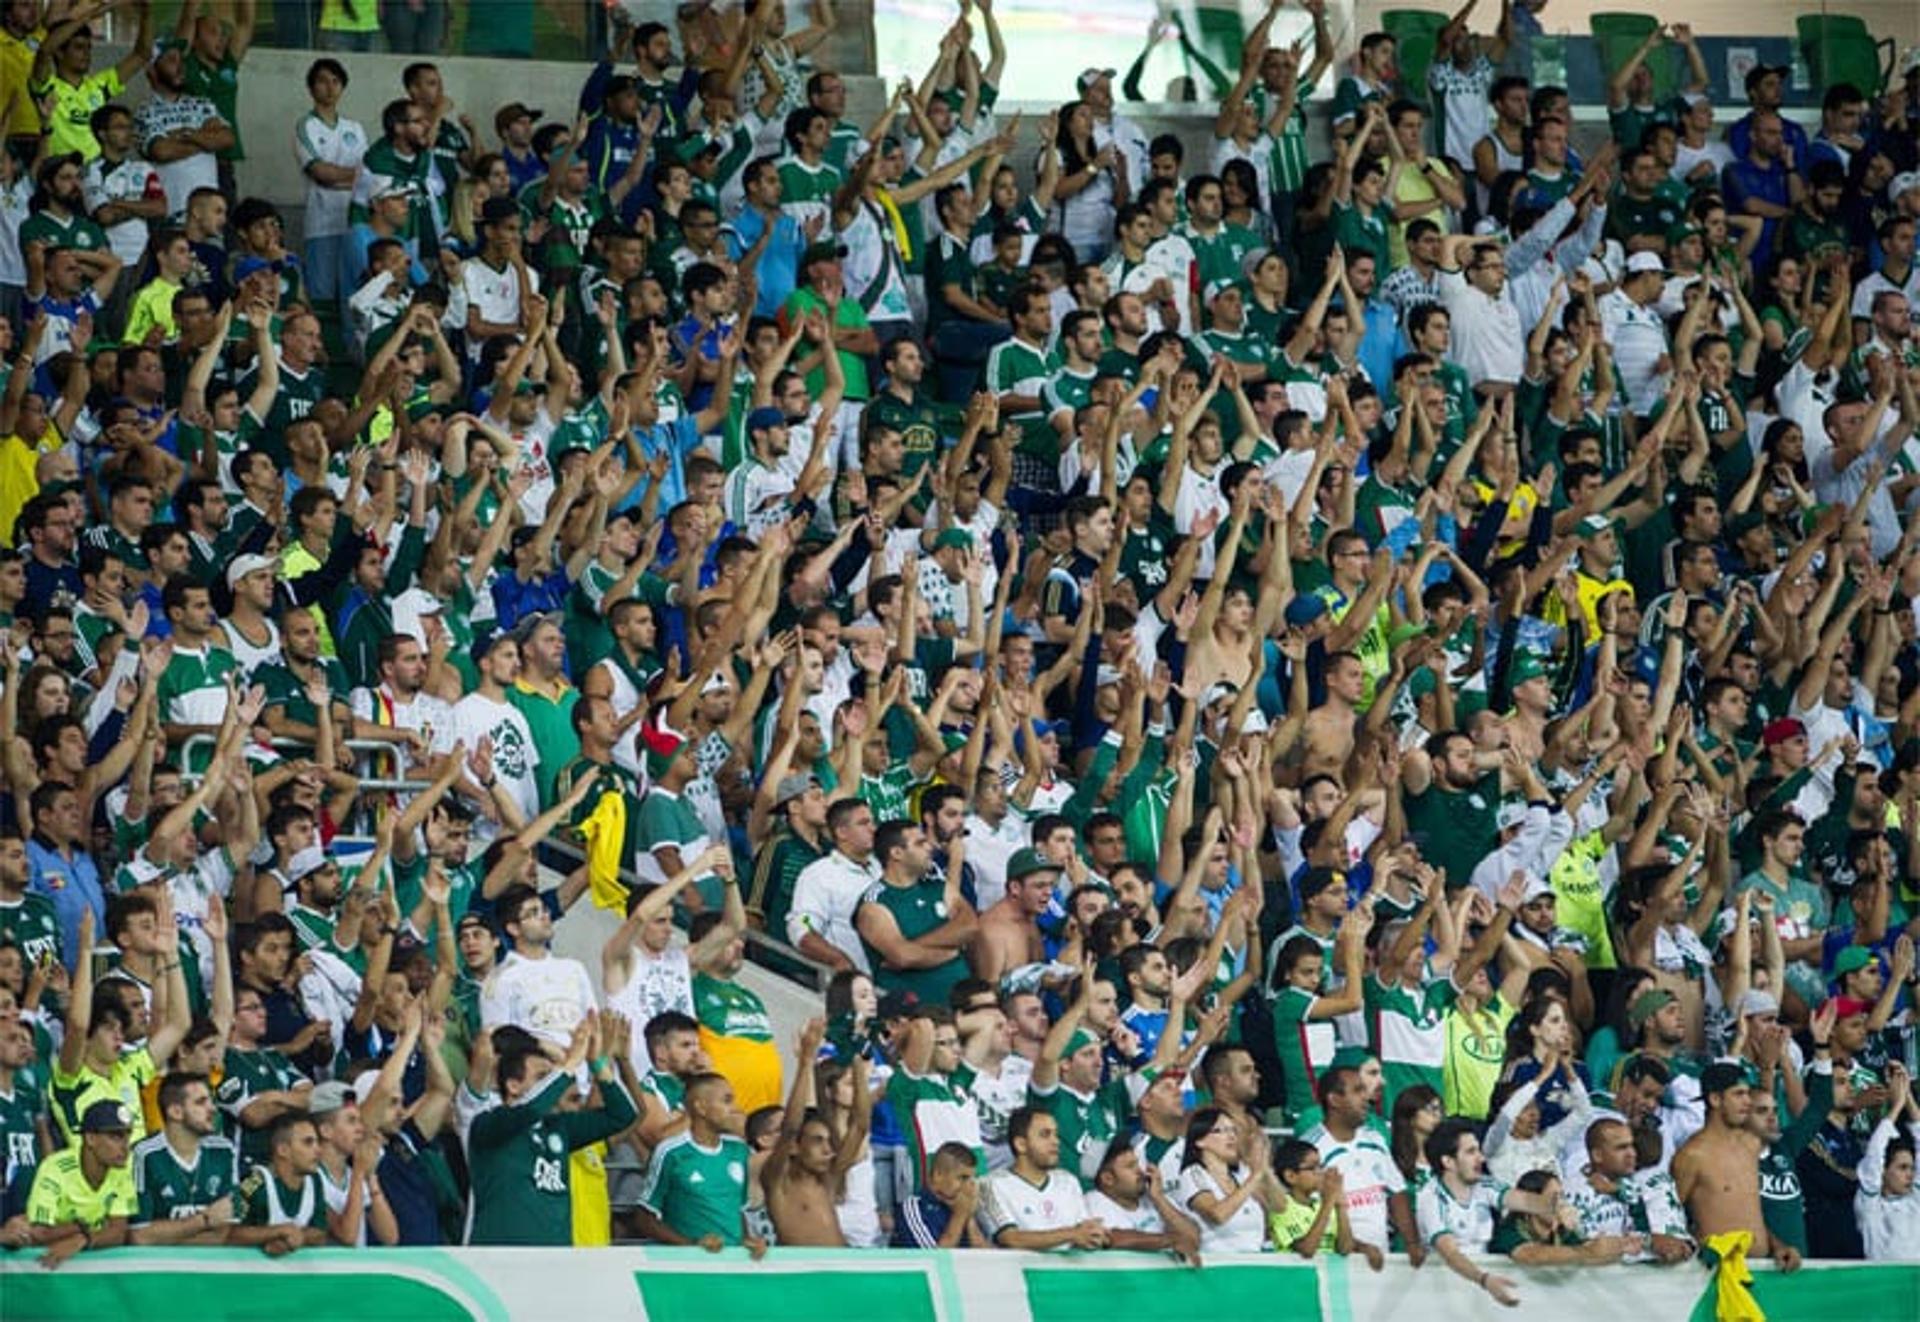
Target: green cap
{"points": [[1648, 1004], [1526, 666], [1593, 525], [1081, 1039], [959, 537], [1026, 862], [1851, 959]]}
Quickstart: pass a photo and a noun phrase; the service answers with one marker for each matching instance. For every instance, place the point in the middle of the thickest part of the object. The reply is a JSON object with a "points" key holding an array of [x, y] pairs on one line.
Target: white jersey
{"points": [[1366, 1166], [657, 983], [1244, 1232], [547, 997], [1143, 1219], [1010, 1203], [624, 697], [316, 142], [251, 656], [477, 716]]}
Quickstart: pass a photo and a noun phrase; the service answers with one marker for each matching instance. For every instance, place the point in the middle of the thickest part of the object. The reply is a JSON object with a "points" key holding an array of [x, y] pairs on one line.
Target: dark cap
{"points": [[511, 111], [1759, 71], [897, 1005], [110, 1116], [765, 418]]}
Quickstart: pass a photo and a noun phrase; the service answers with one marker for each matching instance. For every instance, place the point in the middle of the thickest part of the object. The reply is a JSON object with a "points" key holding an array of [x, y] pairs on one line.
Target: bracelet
{"points": [[601, 1063], [1482, 1282]]}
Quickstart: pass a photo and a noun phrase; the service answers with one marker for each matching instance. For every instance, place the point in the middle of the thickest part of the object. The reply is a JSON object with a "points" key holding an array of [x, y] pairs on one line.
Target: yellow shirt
{"points": [[71, 118], [16, 67], [151, 307], [592, 1204], [18, 462], [72, 1094], [1412, 186], [295, 561], [61, 1193]]}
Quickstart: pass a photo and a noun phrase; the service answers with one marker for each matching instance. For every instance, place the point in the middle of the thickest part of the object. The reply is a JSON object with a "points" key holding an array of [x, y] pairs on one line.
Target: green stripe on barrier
{"points": [[1856, 1292], [219, 1296], [1213, 1292], [825, 1296]]}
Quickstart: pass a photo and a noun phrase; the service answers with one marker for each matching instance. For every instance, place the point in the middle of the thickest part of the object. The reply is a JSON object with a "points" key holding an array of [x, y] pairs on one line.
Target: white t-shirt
{"points": [[825, 896], [1244, 1232], [1145, 1218], [341, 143], [657, 984], [477, 716], [547, 997], [1010, 1203], [132, 180], [1366, 1166]]}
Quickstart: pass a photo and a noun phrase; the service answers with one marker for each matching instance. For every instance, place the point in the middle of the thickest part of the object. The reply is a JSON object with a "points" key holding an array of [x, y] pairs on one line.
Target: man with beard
{"points": [[186, 1174], [182, 135]]}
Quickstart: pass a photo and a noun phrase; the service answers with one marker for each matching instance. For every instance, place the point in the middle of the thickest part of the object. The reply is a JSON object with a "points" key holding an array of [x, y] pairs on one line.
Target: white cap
{"points": [[242, 565], [1536, 887], [410, 610], [305, 863], [1646, 261], [1510, 814], [1902, 183]]}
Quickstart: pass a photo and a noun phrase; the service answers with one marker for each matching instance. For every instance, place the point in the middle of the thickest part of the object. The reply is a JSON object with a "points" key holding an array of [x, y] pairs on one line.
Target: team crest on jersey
{"points": [[555, 1143], [736, 1172]]}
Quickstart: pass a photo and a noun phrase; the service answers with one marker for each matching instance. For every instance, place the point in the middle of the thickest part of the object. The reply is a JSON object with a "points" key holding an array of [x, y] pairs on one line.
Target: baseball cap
{"points": [[1851, 959], [1759, 71], [1215, 288], [1080, 1040], [1315, 880], [1642, 262], [1846, 1007], [511, 111], [897, 1005], [410, 610], [792, 787], [1088, 77], [1537, 889], [1782, 728], [1305, 608], [959, 537], [1648, 1004], [1525, 666], [250, 266], [1758, 1000], [305, 863], [109, 1116], [484, 644], [1027, 861], [165, 44], [329, 1097], [1513, 813], [242, 565], [1902, 183], [1694, 100], [1743, 523], [1595, 524], [399, 188], [765, 418]]}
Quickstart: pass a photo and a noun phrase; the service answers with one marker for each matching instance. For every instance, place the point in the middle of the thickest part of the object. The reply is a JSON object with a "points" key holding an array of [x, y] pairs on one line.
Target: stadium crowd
{"points": [[1357, 700]]}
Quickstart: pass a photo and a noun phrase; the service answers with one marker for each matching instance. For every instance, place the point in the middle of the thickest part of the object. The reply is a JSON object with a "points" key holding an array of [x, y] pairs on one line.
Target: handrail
{"points": [[753, 936], [197, 743]]}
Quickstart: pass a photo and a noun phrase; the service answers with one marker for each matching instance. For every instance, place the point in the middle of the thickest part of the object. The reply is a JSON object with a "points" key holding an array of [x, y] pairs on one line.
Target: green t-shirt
{"points": [[699, 1191], [519, 1159], [550, 719], [264, 1201], [31, 924], [1457, 828], [1088, 1123], [1406, 1030], [917, 909], [171, 1190], [1305, 1047], [244, 1075]]}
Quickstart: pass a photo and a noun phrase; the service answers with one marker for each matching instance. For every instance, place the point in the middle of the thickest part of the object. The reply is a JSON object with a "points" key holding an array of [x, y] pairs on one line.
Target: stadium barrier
{"points": [[833, 1285]]}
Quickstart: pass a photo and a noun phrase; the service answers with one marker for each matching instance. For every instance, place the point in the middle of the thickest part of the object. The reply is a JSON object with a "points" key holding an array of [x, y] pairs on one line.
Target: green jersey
{"points": [[173, 1189], [932, 1110], [922, 424], [1089, 1122], [1305, 1046], [550, 719], [288, 691], [30, 923], [245, 1074], [1458, 826], [20, 1112], [917, 910], [613, 778], [264, 1201], [699, 1191], [727, 1009], [518, 1155], [779, 866], [299, 392], [1016, 367], [1406, 1030], [1222, 255]]}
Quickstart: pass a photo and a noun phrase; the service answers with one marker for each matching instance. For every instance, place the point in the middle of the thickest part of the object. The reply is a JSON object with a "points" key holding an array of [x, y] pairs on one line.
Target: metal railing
{"points": [[195, 745]]}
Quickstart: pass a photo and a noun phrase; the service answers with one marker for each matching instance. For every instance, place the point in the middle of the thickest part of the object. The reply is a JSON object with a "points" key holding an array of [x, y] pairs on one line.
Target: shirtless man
{"points": [[1330, 726], [1717, 1171], [1224, 644], [1009, 935], [803, 1169]]}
